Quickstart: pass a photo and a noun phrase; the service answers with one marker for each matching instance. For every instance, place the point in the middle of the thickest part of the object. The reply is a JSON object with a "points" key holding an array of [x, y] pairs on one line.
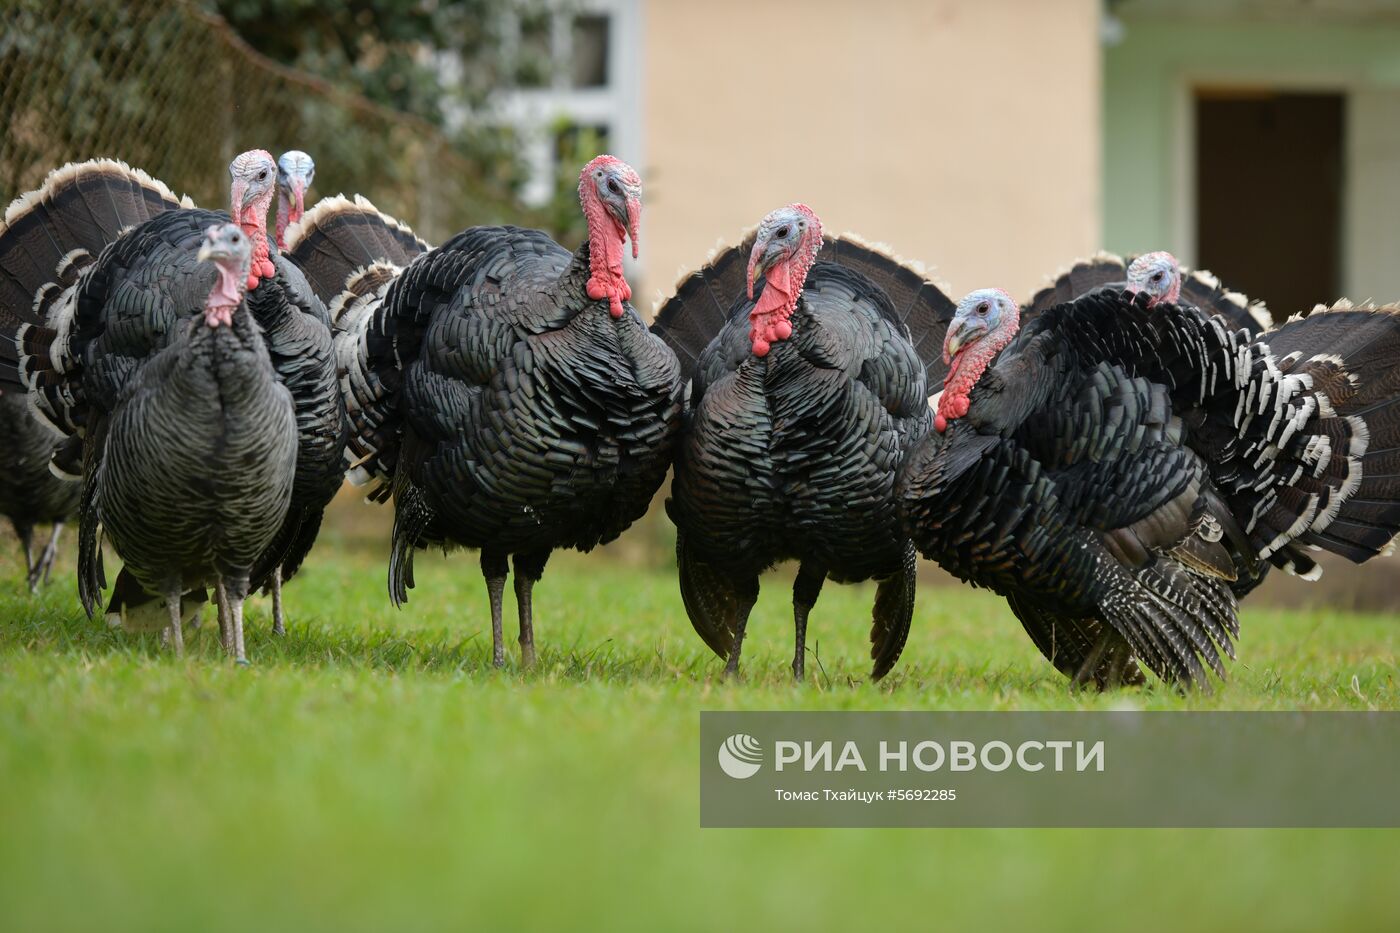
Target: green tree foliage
{"points": [[392, 52]]}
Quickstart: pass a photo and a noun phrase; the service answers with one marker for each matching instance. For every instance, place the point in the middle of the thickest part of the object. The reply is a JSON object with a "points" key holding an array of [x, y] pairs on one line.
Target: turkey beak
{"points": [[209, 251], [759, 262], [959, 336]]}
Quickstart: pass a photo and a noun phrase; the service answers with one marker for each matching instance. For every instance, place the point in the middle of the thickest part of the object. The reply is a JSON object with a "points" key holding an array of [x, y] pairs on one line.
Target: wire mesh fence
{"points": [[169, 88]]}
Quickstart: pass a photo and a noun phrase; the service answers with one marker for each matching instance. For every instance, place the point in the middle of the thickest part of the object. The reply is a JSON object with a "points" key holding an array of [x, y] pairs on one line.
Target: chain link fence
{"points": [[171, 89]]}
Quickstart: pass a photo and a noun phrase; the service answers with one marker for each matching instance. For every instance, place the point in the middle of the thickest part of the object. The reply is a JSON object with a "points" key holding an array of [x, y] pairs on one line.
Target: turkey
{"points": [[1123, 471], [29, 494], [1162, 278], [298, 331], [190, 465], [502, 391], [128, 304], [295, 172], [808, 389]]}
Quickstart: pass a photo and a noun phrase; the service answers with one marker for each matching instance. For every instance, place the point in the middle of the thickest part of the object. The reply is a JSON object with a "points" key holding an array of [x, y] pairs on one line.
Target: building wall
{"points": [[1148, 140], [961, 132]]}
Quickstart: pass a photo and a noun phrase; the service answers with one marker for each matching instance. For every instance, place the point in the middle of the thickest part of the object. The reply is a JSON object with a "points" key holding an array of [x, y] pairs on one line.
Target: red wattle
{"points": [[768, 319], [605, 278], [252, 220]]}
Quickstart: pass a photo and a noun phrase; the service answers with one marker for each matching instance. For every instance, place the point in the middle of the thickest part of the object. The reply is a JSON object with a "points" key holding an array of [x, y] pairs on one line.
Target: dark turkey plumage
{"points": [[29, 493], [98, 323], [499, 405], [1125, 472], [1107, 271], [793, 455]]}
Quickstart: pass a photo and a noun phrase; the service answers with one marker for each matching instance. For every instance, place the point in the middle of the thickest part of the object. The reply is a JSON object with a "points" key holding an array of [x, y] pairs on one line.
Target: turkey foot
{"points": [[39, 572]]}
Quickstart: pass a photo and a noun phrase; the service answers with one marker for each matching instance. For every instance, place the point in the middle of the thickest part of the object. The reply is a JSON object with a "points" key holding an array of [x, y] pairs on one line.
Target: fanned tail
{"points": [[1079, 279], [340, 237], [920, 302], [1331, 431], [1202, 289], [699, 309], [1199, 288], [365, 394], [704, 299], [49, 236]]}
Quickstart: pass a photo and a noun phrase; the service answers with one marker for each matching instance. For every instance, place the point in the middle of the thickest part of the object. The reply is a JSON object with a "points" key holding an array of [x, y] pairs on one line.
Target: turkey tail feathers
{"points": [[1082, 277], [51, 233], [341, 236], [366, 396], [48, 238], [1199, 289], [702, 302], [1202, 289], [1342, 427], [351, 252], [920, 302], [704, 299]]}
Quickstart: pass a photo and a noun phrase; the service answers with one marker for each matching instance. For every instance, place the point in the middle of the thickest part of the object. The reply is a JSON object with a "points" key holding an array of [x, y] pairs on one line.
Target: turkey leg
{"points": [[177, 630], [26, 540], [225, 617], [279, 622], [494, 569], [528, 570], [1088, 671], [237, 592], [47, 558], [805, 591], [747, 594]]}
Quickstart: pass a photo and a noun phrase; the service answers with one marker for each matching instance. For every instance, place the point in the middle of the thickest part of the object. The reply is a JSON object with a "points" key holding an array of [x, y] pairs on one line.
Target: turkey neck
{"points": [[252, 219], [581, 278], [604, 252], [285, 218], [770, 319]]}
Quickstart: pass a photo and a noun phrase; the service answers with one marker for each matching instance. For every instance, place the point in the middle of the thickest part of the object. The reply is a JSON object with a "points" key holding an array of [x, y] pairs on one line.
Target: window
{"points": [[576, 66], [590, 50]]}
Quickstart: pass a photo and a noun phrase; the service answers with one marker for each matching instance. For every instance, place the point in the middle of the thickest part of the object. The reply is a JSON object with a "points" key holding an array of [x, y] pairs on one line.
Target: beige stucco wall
{"points": [[961, 132]]}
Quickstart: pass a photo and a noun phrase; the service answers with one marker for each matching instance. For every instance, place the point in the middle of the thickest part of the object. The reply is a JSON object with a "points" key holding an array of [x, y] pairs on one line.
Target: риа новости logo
{"points": [[740, 756]]}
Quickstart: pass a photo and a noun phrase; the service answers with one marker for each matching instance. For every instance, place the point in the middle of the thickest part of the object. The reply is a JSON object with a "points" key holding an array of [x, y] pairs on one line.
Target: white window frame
{"points": [[534, 111]]}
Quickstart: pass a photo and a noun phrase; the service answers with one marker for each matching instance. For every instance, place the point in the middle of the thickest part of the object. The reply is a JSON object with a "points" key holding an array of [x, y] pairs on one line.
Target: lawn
{"points": [[370, 771]]}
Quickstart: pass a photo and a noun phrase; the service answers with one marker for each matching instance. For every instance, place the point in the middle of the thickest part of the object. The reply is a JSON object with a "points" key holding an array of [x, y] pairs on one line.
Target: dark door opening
{"points": [[1269, 194]]}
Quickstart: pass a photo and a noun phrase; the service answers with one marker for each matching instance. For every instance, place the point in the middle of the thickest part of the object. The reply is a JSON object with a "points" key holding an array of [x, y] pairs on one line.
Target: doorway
{"points": [[1269, 195]]}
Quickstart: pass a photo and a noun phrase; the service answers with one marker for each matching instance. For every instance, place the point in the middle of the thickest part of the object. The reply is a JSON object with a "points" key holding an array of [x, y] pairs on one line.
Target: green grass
{"points": [[371, 771]]}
